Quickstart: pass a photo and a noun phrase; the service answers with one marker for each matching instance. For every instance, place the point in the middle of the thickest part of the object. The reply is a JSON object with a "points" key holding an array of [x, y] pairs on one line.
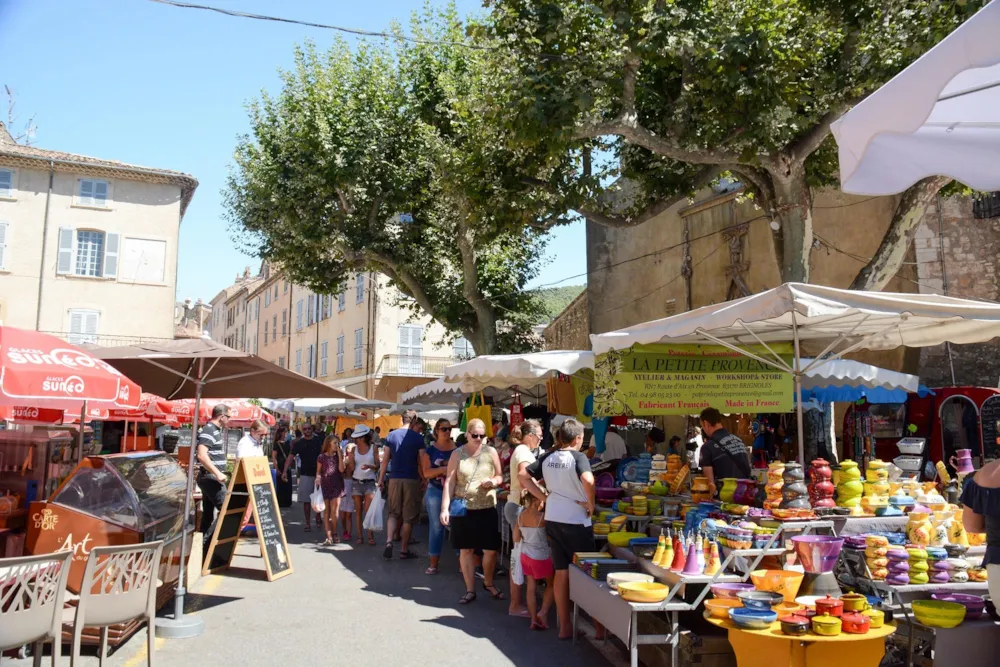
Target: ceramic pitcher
{"points": [[962, 462]]}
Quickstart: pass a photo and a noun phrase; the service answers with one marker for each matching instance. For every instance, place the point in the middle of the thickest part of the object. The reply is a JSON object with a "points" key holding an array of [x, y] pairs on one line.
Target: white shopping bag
{"points": [[316, 499], [516, 573], [373, 519]]}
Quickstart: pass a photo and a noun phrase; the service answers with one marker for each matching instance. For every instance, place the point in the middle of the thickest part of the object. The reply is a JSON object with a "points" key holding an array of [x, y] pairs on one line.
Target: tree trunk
{"points": [[910, 210], [793, 204], [486, 315]]}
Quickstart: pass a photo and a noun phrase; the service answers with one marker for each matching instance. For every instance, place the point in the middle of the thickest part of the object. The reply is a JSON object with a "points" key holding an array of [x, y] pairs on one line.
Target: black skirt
{"points": [[478, 529]]}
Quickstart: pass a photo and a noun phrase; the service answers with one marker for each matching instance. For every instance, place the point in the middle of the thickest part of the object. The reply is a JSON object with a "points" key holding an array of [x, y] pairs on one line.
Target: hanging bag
{"points": [[479, 410], [516, 410]]}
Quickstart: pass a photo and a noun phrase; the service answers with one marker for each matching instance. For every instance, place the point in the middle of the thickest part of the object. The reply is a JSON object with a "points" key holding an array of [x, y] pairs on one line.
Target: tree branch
{"points": [[806, 144], [910, 210], [605, 219], [485, 312], [632, 131]]}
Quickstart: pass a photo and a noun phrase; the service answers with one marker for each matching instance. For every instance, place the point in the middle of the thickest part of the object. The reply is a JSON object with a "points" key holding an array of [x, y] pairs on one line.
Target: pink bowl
{"points": [[818, 553]]}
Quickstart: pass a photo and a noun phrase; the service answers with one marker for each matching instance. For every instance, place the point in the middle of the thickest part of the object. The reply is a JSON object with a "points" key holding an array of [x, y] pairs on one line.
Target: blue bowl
{"points": [[760, 600], [753, 619]]}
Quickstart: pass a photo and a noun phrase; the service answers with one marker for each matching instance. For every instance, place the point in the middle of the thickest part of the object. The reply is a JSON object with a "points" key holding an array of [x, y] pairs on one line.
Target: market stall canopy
{"points": [[437, 390], [517, 370], [41, 371], [169, 368], [848, 373], [939, 116], [869, 320]]}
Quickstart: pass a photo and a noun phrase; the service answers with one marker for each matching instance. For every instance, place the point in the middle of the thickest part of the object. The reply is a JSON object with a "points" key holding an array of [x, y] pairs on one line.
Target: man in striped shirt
{"points": [[212, 476]]}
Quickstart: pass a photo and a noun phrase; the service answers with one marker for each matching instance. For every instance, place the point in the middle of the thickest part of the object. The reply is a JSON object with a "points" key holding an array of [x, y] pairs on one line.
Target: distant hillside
{"points": [[555, 299]]}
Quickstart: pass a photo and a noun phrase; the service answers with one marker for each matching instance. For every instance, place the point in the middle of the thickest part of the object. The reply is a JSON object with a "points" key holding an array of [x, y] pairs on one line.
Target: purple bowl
{"points": [[974, 604], [818, 553], [730, 591]]}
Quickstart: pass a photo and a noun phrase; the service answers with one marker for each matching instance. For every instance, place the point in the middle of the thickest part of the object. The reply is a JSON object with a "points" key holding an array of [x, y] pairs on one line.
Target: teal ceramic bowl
{"points": [[752, 619]]}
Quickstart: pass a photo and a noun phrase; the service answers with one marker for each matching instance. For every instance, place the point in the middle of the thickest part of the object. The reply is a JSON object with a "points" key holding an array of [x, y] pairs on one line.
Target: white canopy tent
{"points": [[939, 116], [842, 320], [850, 373], [502, 371]]}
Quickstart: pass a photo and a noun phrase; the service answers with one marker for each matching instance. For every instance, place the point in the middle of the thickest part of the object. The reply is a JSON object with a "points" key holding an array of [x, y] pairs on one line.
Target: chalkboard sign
{"points": [[251, 486], [989, 417], [184, 437], [233, 436]]}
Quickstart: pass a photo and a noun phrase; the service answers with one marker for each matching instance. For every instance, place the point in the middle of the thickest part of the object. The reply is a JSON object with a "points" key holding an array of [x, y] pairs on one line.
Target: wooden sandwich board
{"points": [[251, 486]]}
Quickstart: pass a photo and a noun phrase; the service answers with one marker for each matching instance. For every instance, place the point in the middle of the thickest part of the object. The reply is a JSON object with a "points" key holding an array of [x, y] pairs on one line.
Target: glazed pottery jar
{"points": [[854, 602], [821, 488], [795, 625], [956, 533], [826, 625], [700, 491], [746, 492], [775, 471], [673, 463], [878, 471], [876, 617], [855, 623], [794, 493], [829, 605], [941, 528], [919, 529], [962, 462], [849, 471], [728, 489]]}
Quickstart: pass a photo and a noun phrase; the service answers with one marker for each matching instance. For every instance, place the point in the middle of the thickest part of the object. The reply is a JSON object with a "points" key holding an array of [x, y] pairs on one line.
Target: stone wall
{"points": [[570, 330], [957, 254]]}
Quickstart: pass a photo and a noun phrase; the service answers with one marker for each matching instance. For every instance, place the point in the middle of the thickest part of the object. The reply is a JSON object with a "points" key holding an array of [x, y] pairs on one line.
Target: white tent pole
{"points": [[798, 390], [850, 348], [765, 345], [839, 339], [783, 366]]}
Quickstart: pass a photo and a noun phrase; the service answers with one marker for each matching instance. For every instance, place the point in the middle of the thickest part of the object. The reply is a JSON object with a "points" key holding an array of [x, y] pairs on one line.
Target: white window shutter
{"points": [[100, 193], [90, 324], [64, 265], [86, 191], [111, 244], [76, 322], [3, 245]]}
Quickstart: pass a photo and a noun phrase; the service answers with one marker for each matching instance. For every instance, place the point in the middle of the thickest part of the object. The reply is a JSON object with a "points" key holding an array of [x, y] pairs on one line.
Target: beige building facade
{"points": [[88, 247]]}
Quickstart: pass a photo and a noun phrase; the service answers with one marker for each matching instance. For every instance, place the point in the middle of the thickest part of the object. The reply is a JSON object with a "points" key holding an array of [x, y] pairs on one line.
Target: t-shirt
{"points": [[308, 450], [727, 455], [210, 436], [522, 454], [438, 459], [614, 447], [404, 447], [247, 446], [561, 470]]}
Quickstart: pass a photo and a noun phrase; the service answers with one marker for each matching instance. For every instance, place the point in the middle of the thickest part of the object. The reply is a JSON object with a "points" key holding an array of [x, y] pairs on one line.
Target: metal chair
{"points": [[32, 589], [119, 585]]}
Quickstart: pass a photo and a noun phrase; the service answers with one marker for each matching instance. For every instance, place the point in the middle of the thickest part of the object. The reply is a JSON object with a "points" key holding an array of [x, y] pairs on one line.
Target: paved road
{"points": [[346, 605]]}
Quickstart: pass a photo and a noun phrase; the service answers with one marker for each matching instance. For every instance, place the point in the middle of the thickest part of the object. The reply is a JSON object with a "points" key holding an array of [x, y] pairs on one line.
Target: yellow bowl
{"points": [[785, 582], [719, 607], [938, 613], [622, 539], [786, 608], [643, 591]]}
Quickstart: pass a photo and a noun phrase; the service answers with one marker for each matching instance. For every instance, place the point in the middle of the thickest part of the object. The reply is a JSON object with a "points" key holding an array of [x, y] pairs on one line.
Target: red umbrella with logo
{"points": [[41, 371], [21, 414]]}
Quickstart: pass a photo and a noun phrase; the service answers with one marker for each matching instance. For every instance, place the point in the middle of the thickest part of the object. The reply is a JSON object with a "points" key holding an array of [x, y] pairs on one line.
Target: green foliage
{"points": [[383, 158], [555, 299]]}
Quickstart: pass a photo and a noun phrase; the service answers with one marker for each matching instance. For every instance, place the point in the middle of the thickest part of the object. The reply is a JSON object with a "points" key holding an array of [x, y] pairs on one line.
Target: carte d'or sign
{"points": [[663, 379]]}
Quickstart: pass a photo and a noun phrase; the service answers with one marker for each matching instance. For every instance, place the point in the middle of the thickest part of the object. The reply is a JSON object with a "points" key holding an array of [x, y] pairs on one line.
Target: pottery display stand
{"points": [[773, 648], [972, 644]]}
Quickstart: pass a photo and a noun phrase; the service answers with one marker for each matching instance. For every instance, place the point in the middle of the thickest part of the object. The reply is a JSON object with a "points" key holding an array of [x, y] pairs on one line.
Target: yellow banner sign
{"points": [[663, 379]]}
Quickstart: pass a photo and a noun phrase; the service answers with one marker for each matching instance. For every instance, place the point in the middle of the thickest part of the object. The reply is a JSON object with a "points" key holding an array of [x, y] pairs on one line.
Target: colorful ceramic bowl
{"points": [[974, 605], [760, 600], [938, 613], [876, 617], [785, 582], [752, 619], [622, 539], [818, 554], [795, 625], [615, 579], [723, 591], [829, 605], [854, 602], [826, 625], [719, 608], [788, 608], [855, 623], [643, 591]]}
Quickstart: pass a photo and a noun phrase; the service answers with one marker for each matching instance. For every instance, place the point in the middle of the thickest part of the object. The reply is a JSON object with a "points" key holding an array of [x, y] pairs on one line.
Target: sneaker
{"points": [[387, 552]]}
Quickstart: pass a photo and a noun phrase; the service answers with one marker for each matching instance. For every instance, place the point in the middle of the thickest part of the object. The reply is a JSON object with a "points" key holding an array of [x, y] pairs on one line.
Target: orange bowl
{"points": [[719, 607], [785, 582]]}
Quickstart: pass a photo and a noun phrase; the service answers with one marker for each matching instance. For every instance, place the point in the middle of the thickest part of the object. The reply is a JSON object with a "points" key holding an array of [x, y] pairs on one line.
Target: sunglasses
{"points": [[476, 436], [445, 428]]}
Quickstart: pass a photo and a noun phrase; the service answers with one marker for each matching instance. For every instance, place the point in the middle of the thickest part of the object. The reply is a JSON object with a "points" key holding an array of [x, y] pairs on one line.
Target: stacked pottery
{"points": [[937, 561], [746, 492], [918, 565], [849, 488], [958, 570], [774, 484], [876, 555], [898, 567], [820, 487], [919, 529], [794, 493]]}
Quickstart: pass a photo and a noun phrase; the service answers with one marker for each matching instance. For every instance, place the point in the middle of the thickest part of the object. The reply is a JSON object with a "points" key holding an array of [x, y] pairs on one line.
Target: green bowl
{"points": [[938, 613]]}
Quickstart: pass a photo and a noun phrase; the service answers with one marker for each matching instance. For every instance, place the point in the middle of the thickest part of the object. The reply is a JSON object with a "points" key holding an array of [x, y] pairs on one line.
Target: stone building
{"points": [[570, 329]]}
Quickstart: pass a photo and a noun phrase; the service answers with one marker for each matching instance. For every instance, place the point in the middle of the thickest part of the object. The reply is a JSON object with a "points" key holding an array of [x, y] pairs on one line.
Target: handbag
{"points": [[458, 506], [516, 411], [481, 412]]}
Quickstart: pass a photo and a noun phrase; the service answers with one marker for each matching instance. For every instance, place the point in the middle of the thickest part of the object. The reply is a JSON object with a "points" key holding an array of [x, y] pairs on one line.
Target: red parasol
{"points": [[21, 414], [39, 370], [241, 411]]}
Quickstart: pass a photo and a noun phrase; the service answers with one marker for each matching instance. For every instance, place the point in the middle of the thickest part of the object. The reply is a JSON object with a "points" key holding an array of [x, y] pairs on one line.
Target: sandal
{"points": [[327, 542], [407, 555], [346, 536], [360, 541], [336, 540], [308, 529], [371, 541], [469, 596], [431, 570], [539, 623], [495, 592]]}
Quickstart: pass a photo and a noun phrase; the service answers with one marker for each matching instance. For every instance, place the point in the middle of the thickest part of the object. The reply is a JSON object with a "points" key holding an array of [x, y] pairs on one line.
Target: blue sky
{"points": [[154, 85]]}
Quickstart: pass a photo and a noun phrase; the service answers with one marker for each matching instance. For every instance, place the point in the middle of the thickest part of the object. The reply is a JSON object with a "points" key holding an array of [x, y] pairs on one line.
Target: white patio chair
{"points": [[31, 602], [119, 585]]}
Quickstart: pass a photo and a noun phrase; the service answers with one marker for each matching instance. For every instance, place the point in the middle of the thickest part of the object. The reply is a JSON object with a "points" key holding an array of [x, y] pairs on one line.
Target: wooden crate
{"points": [[703, 645]]}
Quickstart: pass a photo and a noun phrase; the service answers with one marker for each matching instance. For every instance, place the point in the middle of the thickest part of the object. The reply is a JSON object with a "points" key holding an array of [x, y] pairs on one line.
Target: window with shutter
{"points": [[341, 301], [274, 326], [281, 362], [340, 353], [83, 326], [90, 253], [3, 246], [265, 332], [311, 306], [92, 192], [298, 316], [111, 248], [359, 342], [359, 296], [284, 322], [310, 351], [298, 361], [267, 298], [7, 183], [411, 342], [462, 349], [322, 358]]}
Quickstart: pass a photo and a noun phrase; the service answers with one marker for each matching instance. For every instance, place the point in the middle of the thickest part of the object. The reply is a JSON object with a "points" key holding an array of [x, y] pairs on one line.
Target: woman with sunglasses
{"points": [[434, 466], [474, 473]]}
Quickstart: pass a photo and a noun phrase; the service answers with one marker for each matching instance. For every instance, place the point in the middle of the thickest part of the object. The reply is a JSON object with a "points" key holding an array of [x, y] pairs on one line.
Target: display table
{"points": [[773, 648], [972, 644], [620, 617]]}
